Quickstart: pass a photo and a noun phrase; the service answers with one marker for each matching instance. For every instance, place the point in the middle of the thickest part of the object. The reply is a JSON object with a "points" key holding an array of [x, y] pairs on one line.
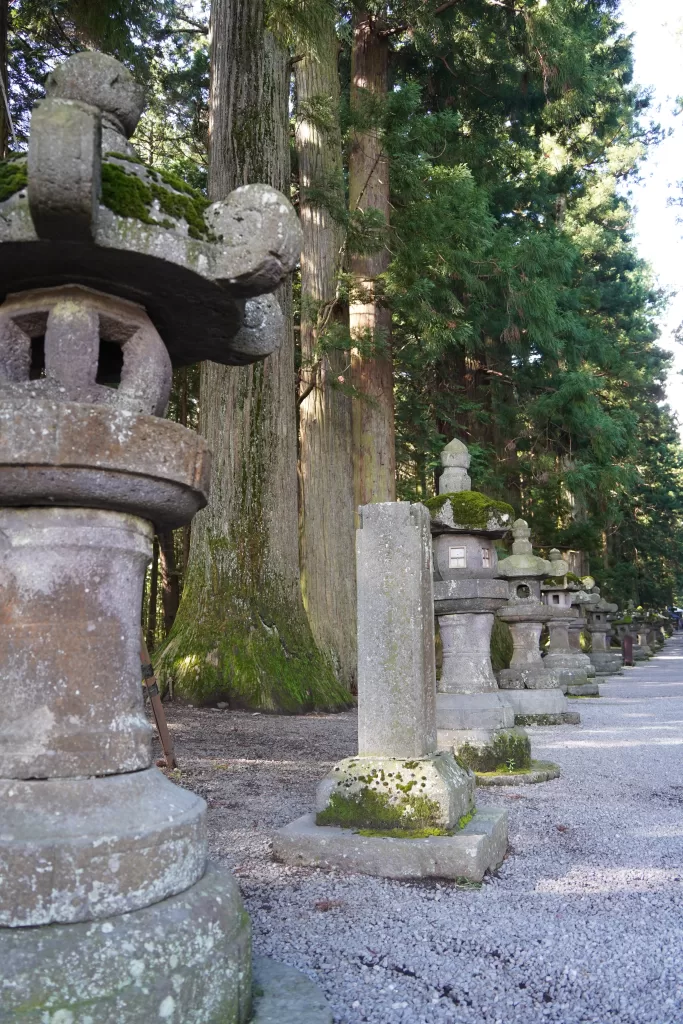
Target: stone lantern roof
{"points": [[459, 509], [82, 209]]}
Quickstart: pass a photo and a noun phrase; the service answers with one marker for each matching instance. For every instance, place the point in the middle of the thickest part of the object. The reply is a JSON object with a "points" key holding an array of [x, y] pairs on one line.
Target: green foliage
{"points": [[510, 750], [13, 178]]}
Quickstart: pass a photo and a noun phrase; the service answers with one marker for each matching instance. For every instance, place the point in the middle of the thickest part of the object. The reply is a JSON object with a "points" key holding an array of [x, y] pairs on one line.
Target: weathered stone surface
{"points": [[185, 960], [70, 597], [466, 668], [437, 778], [77, 849], [472, 591], [54, 453], [75, 322], [396, 662], [465, 711], [536, 702], [104, 82], [64, 170], [540, 771], [476, 849], [283, 995]]}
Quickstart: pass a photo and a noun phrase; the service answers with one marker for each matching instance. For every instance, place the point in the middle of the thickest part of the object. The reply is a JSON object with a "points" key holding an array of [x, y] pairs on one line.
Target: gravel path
{"points": [[583, 923]]}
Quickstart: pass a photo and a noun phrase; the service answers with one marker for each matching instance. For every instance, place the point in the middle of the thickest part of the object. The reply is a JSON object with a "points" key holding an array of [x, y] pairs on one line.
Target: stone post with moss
{"points": [[472, 718], [535, 692], [571, 666], [400, 808], [109, 911]]}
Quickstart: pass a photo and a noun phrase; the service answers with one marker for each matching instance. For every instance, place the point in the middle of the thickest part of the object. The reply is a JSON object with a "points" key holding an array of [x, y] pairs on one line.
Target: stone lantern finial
{"points": [[521, 533], [455, 459]]}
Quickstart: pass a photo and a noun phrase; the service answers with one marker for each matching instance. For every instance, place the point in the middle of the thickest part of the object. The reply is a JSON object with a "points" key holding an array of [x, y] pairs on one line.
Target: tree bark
{"points": [[241, 631], [153, 595], [369, 317], [327, 527], [170, 582], [4, 124]]}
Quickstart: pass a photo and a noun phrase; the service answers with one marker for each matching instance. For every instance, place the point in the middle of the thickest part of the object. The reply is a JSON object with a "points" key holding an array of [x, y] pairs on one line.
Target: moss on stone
{"points": [[128, 195], [501, 645], [416, 833], [533, 766], [473, 509], [13, 178], [368, 809], [509, 751]]}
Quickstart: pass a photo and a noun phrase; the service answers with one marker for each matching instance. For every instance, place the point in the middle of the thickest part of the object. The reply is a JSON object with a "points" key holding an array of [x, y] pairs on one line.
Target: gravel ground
{"points": [[583, 922]]}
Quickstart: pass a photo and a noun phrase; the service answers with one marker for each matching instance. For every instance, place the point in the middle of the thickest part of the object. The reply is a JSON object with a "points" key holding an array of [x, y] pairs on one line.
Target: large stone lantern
{"points": [[570, 665], [533, 690], [606, 661], [473, 720], [111, 275]]}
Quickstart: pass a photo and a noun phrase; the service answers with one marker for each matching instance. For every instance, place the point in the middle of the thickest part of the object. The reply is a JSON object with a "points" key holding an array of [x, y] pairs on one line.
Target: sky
{"points": [[658, 51]]}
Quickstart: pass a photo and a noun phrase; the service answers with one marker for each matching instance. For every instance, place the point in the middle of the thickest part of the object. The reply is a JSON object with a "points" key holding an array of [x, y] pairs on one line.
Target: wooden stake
{"points": [[150, 684]]}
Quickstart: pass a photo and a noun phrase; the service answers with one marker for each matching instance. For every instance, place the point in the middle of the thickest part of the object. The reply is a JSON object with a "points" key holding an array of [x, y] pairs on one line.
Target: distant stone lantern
{"points": [[606, 661], [534, 691], [472, 718], [570, 665], [111, 274]]}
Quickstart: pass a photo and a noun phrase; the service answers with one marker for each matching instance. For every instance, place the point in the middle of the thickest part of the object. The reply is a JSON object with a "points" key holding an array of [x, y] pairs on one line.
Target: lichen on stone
{"points": [[13, 177], [473, 509]]}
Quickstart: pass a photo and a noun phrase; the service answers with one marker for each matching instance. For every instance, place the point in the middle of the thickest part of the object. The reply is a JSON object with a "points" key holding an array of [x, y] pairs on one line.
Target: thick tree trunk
{"points": [[170, 583], [369, 318], [241, 631], [327, 528], [4, 124], [151, 633]]}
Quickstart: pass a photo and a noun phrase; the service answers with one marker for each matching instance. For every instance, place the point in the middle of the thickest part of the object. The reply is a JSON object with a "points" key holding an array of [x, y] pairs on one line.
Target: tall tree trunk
{"points": [[327, 528], [241, 631], [4, 124], [170, 583], [153, 595], [369, 317]]}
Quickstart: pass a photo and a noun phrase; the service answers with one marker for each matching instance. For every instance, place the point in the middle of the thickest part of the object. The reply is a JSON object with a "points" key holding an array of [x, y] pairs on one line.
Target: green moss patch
{"points": [[368, 809], [13, 178], [470, 508], [127, 195], [509, 751]]}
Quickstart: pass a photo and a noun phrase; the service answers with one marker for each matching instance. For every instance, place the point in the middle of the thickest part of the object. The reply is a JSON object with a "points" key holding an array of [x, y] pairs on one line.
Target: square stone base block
{"points": [[587, 690], [541, 707], [473, 711], [478, 848], [283, 995]]}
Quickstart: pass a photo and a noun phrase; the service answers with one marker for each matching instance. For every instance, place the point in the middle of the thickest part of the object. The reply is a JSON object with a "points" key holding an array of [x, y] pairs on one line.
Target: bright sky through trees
{"points": [[658, 48]]}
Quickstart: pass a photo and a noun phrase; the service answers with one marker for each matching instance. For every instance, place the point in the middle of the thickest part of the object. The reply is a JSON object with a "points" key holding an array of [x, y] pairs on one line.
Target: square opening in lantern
{"points": [[457, 558]]}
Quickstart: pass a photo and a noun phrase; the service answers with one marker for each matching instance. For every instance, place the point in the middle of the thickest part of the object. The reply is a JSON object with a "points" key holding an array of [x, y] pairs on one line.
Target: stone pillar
{"points": [[396, 670]]}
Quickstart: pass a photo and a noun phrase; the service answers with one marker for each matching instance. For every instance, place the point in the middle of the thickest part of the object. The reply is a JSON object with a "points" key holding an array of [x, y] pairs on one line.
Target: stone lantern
{"points": [[569, 664], [533, 690], [580, 600], [111, 275], [472, 718], [606, 661]]}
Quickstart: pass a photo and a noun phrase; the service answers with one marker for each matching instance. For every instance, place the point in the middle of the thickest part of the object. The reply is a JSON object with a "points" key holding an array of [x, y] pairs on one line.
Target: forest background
{"points": [[461, 169]]}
